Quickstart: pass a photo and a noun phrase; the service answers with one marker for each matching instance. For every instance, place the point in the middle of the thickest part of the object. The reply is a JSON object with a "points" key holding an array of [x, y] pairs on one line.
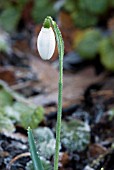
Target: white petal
{"points": [[46, 43]]}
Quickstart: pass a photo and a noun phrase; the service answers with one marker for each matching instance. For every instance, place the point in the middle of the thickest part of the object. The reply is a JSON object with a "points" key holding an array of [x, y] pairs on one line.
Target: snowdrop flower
{"points": [[46, 43]]}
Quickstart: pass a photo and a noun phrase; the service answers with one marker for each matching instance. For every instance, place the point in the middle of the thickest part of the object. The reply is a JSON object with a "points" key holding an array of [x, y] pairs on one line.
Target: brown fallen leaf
{"points": [[63, 159], [7, 74], [96, 149], [4, 154], [75, 84], [73, 87]]}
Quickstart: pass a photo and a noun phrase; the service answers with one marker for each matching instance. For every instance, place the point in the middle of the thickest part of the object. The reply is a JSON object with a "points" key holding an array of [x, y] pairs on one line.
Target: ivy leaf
{"points": [[9, 112], [19, 111]]}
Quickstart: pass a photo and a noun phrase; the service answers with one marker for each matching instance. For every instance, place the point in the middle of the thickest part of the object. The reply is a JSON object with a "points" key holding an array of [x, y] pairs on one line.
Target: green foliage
{"points": [[88, 46], [83, 20], [111, 3], [9, 18], [18, 112], [45, 142], [6, 124], [5, 97], [37, 164], [22, 114], [4, 4], [42, 9], [70, 6], [93, 6], [29, 116], [11, 12], [75, 135], [21, 3], [11, 113], [86, 13], [46, 164], [106, 50]]}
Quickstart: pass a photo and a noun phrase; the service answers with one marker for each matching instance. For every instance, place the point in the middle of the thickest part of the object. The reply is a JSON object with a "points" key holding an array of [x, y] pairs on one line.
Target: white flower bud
{"points": [[46, 43]]}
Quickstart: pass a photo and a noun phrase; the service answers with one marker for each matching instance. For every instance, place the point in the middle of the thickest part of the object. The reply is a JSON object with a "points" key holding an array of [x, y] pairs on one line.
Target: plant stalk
{"points": [[60, 44], [59, 114]]}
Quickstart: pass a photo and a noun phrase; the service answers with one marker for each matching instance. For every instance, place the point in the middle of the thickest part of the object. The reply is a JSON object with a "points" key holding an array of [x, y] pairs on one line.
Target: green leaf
{"points": [[106, 49], [93, 6], [82, 19], [42, 9], [11, 113], [34, 154], [36, 117], [111, 3], [75, 135], [10, 13], [9, 18], [89, 44], [29, 116], [4, 4], [5, 97], [70, 5], [6, 124]]}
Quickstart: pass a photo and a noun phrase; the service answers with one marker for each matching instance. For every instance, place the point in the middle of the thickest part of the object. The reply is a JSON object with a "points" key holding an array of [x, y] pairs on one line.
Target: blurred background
{"points": [[29, 86], [83, 23]]}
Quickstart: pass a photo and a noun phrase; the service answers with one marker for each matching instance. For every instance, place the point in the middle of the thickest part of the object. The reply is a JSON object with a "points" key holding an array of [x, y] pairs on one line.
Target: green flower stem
{"points": [[34, 155], [60, 44]]}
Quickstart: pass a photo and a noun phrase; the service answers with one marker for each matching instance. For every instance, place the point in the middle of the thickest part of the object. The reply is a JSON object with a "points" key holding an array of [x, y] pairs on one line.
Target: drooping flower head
{"points": [[46, 41]]}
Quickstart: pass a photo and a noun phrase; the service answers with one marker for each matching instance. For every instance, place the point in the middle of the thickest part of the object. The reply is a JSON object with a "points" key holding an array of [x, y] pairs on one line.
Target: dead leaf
{"points": [[7, 74], [63, 158], [73, 87], [96, 150]]}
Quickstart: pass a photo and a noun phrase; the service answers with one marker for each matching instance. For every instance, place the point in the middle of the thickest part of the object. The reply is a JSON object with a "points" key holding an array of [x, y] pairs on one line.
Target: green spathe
{"points": [[47, 23]]}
